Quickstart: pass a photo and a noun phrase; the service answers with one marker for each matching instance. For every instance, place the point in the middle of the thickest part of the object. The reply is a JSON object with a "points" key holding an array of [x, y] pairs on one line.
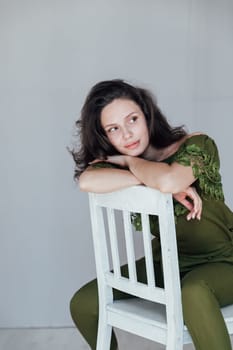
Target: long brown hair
{"points": [[93, 140]]}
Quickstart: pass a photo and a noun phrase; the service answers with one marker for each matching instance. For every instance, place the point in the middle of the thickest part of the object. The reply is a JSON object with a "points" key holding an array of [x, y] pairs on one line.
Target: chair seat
{"points": [[127, 313], [140, 317]]}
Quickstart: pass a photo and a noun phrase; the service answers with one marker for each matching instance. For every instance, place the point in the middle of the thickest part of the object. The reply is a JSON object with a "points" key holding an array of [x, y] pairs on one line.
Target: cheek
{"points": [[144, 130], [113, 139], [147, 135]]}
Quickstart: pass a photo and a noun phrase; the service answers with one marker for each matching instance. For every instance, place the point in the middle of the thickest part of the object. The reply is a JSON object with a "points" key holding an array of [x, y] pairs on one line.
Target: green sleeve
{"points": [[201, 153]]}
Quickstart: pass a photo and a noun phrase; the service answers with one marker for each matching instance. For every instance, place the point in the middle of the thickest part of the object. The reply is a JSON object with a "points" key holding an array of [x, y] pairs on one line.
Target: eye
{"points": [[112, 129], [133, 119]]}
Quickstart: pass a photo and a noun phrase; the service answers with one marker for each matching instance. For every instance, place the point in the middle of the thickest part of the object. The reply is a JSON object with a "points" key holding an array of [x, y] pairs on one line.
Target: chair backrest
{"points": [[144, 201]]}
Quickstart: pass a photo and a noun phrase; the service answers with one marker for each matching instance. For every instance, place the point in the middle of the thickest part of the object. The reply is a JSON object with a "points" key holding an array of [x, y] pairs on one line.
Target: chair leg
{"points": [[174, 343], [104, 336]]}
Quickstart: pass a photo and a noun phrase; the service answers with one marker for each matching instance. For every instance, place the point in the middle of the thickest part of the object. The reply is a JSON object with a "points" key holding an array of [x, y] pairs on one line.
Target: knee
{"points": [[196, 296], [193, 290], [84, 303], [76, 305]]}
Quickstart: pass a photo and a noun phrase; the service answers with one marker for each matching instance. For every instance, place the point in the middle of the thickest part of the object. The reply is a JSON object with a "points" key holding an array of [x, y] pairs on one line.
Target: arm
{"points": [[102, 180], [172, 178], [106, 180]]}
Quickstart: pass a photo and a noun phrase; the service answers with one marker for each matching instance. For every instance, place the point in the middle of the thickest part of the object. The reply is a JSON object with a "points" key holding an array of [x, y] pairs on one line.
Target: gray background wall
{"points": [[51, 53]]}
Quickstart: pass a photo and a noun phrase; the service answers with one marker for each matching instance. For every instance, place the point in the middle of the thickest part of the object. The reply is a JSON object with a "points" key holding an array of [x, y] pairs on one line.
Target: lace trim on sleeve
{"points": [[205, 169]]}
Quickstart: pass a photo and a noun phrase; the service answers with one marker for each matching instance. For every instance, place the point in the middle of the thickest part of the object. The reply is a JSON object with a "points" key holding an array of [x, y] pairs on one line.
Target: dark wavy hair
{"points": [[93, 140]]}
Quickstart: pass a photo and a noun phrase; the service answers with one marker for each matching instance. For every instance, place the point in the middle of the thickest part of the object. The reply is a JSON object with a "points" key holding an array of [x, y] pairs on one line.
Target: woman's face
{"points": [[125, 126]]}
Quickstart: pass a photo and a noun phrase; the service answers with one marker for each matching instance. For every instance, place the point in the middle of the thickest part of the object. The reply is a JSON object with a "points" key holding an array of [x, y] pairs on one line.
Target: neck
{"points": [[155, 154], [159, 154]]}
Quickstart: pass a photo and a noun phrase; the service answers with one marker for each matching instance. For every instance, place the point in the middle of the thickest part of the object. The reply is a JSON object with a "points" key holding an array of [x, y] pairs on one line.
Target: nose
{"points": [[127, 133]]}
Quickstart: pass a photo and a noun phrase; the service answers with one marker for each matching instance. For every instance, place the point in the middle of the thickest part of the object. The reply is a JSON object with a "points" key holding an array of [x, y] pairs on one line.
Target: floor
{"points": [[65, 339]]}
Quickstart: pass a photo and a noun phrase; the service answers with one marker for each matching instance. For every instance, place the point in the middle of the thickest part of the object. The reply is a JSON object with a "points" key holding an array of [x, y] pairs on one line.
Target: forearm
{"points": [[164, 177], [152, 174], [106, 180]]}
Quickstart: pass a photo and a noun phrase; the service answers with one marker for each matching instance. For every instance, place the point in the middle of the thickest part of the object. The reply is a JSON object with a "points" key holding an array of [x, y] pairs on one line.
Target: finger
{"points": [[196, 212], [197, 203], [194, 209], [189, 216], [187, 204], [192, 214], [199, 211], [198, 207]]}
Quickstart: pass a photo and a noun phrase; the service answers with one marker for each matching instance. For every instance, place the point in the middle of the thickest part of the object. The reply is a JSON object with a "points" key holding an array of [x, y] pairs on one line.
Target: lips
{"points": [[132, 145]]}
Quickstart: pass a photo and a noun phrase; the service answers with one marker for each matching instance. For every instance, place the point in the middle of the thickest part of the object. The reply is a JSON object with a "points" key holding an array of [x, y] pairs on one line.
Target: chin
{"points": [[134, 153]]}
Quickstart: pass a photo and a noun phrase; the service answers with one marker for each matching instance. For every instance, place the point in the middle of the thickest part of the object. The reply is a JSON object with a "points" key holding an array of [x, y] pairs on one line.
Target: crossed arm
{"points": [[174, 178]]}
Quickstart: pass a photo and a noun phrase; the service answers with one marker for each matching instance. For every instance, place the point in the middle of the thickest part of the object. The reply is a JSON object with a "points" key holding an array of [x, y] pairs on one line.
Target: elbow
{"points": [[83, 187], [168, 184], [84, 184], [165, 189]]}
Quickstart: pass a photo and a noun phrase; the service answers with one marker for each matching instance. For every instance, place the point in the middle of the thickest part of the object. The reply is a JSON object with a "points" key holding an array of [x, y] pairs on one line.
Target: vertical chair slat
{"points": [[113, 242], [129, 246], [148, 250]]}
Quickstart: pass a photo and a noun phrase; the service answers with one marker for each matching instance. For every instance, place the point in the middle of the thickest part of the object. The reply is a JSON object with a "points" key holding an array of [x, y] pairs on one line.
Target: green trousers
{"points": [[204, 290]]}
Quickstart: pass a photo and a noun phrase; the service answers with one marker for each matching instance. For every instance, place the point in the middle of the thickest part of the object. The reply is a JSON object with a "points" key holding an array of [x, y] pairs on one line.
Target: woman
{"points": [[126, 141]]}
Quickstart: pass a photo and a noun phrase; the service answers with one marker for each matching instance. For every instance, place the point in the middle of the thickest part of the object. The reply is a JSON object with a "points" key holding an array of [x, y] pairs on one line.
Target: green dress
{"points": [[211, 238], [205, 250]]}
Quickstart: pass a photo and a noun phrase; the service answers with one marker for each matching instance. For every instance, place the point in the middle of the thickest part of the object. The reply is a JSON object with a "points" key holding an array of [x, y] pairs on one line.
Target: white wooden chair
{"points": [[155, 313]]}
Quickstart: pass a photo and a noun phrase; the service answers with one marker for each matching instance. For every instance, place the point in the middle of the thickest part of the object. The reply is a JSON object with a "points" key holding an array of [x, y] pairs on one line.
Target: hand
{"points": [[121, 160], [194, 207]]}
